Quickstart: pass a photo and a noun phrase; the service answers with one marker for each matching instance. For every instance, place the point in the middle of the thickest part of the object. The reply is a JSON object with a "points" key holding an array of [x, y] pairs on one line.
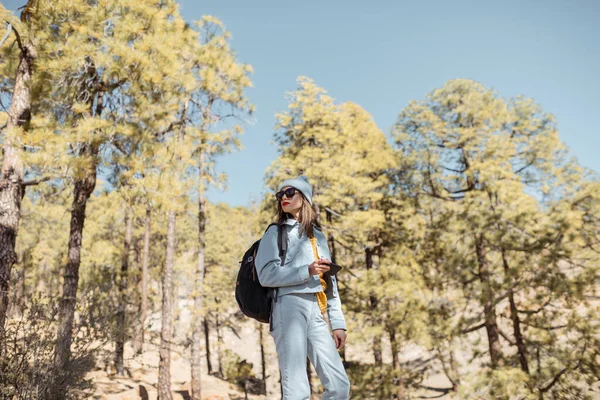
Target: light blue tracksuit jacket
{"points": [[293, 276]]}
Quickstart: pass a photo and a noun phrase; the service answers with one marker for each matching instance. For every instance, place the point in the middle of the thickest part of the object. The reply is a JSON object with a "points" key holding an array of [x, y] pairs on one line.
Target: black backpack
{"points": [[253, 299]]}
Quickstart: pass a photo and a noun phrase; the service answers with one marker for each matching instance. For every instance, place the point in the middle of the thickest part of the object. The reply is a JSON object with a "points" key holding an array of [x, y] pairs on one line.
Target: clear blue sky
{"points": [[382, 54]]}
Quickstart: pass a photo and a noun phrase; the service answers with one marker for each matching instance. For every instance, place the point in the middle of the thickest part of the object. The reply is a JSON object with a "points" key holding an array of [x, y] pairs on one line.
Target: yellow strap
{"points": [[321, 296]]}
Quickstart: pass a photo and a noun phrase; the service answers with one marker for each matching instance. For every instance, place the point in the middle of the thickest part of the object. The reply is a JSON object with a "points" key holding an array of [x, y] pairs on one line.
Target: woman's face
{"points": [[291, 204]]}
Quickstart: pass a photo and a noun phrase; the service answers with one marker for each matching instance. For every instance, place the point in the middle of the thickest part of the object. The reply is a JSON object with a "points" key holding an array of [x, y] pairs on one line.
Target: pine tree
{"points": [[164, 367], [18, 118], [218, 94], [123, 297], [144, 279], [100, 75], [345, 155], [494, 188]]}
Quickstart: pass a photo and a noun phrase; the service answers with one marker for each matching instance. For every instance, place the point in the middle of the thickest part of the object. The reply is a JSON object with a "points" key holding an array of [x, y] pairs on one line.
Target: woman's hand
{"points": [[339, 337], [318, 267]]}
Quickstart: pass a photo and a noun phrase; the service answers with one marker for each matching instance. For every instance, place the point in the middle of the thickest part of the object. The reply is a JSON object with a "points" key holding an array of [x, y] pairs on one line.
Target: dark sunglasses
{"points": [[289, 193]]}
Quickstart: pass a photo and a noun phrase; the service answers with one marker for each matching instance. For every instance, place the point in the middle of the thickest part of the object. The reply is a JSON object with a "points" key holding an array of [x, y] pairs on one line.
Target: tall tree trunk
{"points": [[333, 251], [198, 284], [121, 323], [207, 344], [12, 188], [84, 185], [489, 309], [394, 346], [377, 352], [83, 189], [263, 358], [514, 316], [164, 366], [219, 344], [137, 329], [144, 294]]}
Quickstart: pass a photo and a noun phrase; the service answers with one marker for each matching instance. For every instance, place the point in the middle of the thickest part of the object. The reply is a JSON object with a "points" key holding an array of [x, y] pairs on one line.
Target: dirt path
{"points": [[142, 376]]}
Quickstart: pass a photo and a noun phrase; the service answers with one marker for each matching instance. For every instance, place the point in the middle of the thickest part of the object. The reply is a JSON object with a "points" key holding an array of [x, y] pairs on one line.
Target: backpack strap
{"points": [[282, 245], [282, 242]]}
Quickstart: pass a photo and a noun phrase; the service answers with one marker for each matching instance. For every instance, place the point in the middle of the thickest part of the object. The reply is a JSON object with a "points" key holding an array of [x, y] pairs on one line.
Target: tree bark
{"points": [[198, 285], [489, 309], [207, 345], [514, 316], [377, 352], [83, 189], [394, 347], [263, 358], [84, 185], [145, 264], [11, 180], [123, 282], [137, 328], [333, 251], [164, 366], [219, 345]]}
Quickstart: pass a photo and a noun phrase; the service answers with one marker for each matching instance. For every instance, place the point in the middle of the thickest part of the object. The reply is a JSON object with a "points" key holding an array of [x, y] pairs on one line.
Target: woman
{"points": [[305, 293]]}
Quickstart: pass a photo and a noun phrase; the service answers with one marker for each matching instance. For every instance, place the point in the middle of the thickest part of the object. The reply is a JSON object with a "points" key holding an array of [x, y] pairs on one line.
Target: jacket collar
{"points": [[293, 222], [290, 222]]}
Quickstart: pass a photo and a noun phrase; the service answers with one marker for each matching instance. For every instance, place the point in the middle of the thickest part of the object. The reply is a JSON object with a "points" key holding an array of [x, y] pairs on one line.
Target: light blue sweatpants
{"points": [[299, 330]]}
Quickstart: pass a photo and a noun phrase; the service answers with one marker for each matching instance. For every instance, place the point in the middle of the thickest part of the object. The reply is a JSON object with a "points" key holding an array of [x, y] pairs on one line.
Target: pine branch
{"points": [[554, 381], [19, 41], [546, 328], [36, 181], [562, 372], [473, 328], [444, 367], [531, 312], [505, 336]]}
